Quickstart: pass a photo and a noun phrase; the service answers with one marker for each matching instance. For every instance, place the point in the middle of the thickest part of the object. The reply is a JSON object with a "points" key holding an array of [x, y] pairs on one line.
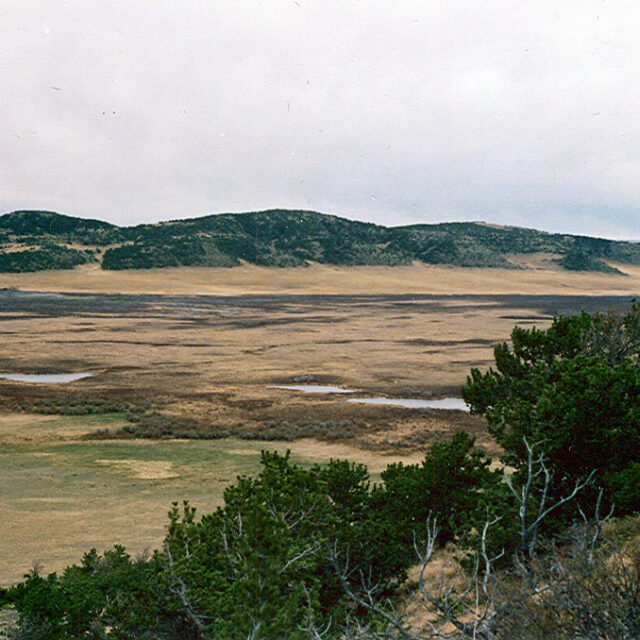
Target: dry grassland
{"points": [[326, 279], [187, 358], [62, 497]]}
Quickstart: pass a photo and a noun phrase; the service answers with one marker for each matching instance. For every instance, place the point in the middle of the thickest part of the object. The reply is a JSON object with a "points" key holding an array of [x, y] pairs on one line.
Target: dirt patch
{"points": [[145, 470]]}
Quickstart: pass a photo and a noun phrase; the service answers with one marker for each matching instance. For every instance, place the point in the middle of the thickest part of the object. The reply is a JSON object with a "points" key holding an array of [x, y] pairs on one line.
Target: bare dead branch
{"points": [[529, 528], [179, 588]]}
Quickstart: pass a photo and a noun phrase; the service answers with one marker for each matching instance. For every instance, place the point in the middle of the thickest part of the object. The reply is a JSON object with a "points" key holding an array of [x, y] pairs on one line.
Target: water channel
{"points": [[46, 378]]}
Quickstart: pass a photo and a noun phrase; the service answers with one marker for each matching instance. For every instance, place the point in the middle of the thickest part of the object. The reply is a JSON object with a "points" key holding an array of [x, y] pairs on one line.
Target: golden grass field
{"points": [[319, 278], [183, 355]]}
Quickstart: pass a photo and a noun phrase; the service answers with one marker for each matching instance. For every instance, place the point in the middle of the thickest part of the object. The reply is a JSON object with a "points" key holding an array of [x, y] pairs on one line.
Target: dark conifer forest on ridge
{"points": [[41, 240]]}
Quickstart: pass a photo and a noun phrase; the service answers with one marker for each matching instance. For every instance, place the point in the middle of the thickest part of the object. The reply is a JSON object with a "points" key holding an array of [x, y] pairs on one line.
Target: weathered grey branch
{"points": [[536, 467], [179, 588], [368, 600]]}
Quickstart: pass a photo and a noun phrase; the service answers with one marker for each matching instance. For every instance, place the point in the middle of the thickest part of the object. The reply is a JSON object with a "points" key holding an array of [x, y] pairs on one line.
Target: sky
{"points": [[395, 112]]}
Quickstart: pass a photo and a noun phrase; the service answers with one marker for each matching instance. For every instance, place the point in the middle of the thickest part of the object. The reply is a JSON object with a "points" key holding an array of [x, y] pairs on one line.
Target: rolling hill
{"points": [[40, 240]]}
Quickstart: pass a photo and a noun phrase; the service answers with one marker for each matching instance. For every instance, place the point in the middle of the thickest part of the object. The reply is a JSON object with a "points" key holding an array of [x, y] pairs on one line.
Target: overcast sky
{"points": [[522, 113]]}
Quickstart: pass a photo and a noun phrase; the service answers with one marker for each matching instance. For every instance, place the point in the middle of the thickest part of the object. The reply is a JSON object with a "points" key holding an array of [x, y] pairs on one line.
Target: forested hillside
{"points": [[38, 240]]}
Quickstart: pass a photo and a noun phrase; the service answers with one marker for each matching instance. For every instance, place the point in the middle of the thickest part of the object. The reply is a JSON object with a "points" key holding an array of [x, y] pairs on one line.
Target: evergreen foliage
{"points": [[39, 224], [284, 238], [49, 256], [454, 481], [575, 388], [583, 261]]}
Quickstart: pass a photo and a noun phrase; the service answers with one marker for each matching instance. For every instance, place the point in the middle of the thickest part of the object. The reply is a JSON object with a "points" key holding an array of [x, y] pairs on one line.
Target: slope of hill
{"points": [[39, 240]]}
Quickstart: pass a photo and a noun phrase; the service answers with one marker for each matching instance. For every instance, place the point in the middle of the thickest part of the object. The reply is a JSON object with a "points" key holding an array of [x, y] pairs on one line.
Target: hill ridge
{"points": [[39, 240]]}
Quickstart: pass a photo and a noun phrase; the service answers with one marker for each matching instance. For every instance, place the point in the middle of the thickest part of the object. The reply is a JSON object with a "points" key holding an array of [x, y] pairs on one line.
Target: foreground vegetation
{"points": [[36, 240], [320, 552]]}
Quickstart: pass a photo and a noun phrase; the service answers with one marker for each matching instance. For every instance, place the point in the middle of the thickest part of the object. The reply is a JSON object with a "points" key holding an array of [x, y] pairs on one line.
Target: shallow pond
{"points": [[310, 388], [456, 404], [50, 378], [413, 403]]}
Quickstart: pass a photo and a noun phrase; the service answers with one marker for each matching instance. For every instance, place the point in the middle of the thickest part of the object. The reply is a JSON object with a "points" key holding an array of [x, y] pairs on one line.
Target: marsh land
{"points": [[183, 360]]}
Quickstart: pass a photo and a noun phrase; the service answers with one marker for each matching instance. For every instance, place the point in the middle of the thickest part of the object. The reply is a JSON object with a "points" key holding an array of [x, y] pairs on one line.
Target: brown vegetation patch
{"points": [[143, 469]]}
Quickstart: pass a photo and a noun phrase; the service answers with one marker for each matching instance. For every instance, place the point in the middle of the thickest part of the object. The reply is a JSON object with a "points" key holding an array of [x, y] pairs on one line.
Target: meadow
{"points": [[61, 496], [183, 360]]}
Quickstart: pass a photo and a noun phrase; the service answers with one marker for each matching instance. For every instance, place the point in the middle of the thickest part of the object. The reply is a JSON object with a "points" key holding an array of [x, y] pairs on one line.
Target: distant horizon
{"points": [[324, 213]]}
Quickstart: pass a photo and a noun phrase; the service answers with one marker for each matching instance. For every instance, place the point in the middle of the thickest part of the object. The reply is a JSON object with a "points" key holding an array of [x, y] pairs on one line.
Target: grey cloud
{"points": [[397, 112]]}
